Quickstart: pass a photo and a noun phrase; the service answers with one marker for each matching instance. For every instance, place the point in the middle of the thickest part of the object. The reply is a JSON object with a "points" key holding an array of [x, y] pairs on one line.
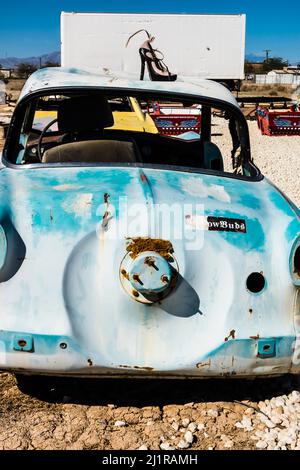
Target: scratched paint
{"points": [[60, 281], [68, 284], [62, 77]]}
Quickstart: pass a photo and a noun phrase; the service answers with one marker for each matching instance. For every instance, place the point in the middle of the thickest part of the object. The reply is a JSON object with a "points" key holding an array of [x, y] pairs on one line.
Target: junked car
{"points": [[128, 253]]}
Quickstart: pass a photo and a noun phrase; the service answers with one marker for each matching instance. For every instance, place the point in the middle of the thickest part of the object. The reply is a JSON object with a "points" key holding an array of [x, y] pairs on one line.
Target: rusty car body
{"points": [[90, 283]]}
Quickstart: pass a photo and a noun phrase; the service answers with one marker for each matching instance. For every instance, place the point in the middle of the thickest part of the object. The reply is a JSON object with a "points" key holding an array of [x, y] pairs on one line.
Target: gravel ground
{"points": [[278, 158], [171, 414]]}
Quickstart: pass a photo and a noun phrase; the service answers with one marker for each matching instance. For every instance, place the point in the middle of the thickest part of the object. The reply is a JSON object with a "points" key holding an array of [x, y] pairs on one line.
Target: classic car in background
{"points": [[128, 253]]}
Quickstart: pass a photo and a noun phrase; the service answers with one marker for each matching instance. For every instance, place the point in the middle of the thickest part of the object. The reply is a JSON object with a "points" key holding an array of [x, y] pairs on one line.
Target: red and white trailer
{"points": [[173, 120], [278, 122]]}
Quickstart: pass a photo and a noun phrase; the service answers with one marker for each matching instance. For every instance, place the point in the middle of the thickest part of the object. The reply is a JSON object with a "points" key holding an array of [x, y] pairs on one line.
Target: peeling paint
{"points": [[198, 187], [68, 297]]}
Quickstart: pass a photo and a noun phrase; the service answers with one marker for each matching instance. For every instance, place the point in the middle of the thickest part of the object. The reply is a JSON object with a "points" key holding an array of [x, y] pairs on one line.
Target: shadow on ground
{"points": [[154, 392]]}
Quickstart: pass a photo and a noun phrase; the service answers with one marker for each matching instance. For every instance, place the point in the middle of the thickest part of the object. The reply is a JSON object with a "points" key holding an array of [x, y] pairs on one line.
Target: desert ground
{"points": [[166, 414]]}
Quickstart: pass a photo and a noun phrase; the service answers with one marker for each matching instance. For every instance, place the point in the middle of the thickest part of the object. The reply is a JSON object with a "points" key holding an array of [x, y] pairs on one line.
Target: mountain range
{"points": [[13, 62]]}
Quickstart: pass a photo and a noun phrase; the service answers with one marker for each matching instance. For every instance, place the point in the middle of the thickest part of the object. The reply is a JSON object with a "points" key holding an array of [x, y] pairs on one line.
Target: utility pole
{"points": [[267, 54]]}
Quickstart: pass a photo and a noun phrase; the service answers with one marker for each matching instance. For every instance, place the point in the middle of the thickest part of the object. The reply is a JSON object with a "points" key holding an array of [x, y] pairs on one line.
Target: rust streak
{"points": [[203, 364], [107, 214], [231, 335]]}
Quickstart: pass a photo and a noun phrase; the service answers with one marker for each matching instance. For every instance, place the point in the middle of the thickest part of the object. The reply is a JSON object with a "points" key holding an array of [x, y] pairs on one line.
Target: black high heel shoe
{"points": [[157, 69]]}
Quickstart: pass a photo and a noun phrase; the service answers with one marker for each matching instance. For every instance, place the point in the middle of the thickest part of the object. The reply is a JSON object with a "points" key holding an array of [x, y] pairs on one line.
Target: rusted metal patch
{"points": [[140, 244]]}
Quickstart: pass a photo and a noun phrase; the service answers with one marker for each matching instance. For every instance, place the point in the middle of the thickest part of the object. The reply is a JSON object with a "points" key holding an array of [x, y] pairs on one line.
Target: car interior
{"points": [[80, 128]]}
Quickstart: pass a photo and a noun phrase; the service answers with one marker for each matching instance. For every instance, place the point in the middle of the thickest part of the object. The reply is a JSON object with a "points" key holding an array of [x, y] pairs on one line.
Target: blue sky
{"points": [[32, 27]]}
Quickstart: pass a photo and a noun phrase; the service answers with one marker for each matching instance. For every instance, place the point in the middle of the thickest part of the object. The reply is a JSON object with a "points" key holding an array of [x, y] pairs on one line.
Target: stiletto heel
{"points": [[143, 60], [157, 69]]}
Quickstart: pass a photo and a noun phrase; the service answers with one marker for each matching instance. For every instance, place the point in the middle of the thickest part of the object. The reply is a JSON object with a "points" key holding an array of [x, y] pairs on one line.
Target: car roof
{"points": [[59, 77]]}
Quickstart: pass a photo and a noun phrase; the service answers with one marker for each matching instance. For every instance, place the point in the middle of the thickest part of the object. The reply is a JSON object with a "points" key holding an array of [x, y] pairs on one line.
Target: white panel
{"points": [[209, 46]]}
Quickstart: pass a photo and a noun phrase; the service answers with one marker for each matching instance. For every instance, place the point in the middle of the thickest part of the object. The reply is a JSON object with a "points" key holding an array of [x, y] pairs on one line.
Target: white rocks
{"points": [[120, 423], [276, 419], [143, 447], [175, 426], [279, 410], [294, 397], [183, 444], [279, 402], [189, 437], [239, 425], [270, 424], [228, 443], [213, 413], [246, 424], [192, 427], [278, 427], [166, 446], [201, 426], [185, 422], [186, 441], [261, 445]]}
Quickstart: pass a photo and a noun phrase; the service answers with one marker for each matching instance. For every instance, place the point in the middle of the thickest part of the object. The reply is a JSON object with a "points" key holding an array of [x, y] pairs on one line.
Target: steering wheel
{"points": [[39, 144]]}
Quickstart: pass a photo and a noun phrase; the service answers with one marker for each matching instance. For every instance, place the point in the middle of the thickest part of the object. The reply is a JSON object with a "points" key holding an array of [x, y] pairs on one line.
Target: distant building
{"points": [[287, 76], [5, 73], [2, 93]]}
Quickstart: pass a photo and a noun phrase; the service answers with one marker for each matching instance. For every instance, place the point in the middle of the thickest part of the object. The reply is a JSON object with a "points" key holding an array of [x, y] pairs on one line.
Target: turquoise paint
{"points": [[248, 348], [48, 201], [41, 344], [39, 202], [293, 230], [250, 201], [23, 342], [150, 273], [266, 348], [253, 240], [281, 203]]}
